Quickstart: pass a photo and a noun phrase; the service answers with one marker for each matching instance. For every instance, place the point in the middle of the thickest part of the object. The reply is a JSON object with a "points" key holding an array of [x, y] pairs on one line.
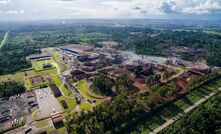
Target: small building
{"points": [[83, 58], [55, 90], [56, 119], [64, 104], [5, 114], [47, 65], [182, 83], [39, 56]]}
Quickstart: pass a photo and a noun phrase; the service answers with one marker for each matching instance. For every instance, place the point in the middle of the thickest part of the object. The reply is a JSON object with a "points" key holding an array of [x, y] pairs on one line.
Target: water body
{"points": [[149, 58]]}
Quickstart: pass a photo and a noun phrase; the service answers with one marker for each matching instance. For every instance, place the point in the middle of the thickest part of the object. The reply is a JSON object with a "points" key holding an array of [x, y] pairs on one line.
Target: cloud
{"points": [[168, 7], [11, 12], [58, 9], [205, 7], [191, 6], [4, 1]]}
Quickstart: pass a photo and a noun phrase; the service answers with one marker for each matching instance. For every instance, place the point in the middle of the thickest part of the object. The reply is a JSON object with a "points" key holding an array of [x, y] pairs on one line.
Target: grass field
{"points": [[82, 88], [71, 102], [56, 57], [85, 106], [38, 65], [61, 130], [35, 115], [19, 76], [41, 124], [156, 119], [66, 92], [55, 79]]}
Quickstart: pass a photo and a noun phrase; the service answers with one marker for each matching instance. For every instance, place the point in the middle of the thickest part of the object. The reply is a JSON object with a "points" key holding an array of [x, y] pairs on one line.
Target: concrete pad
{"points": [[47, 102]]}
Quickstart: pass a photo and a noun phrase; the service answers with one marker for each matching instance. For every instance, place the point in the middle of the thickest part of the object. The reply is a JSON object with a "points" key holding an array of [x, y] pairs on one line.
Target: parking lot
{"points": [[47, 102], [16, 107]]}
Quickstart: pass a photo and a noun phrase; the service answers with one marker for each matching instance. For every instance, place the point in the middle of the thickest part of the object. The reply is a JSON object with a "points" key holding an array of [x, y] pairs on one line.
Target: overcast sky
{"points": [[68, 9]]}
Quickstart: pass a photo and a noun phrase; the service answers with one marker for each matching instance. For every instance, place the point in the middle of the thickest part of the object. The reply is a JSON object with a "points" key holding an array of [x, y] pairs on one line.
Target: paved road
{"points": [[170, 121], [56, 65], [4, 40]]}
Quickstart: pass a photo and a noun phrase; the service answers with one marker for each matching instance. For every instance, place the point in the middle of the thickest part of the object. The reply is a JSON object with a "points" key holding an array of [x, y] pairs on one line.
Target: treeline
{"points": [[102, 85], [204, 120], [159, 44], [25, 40], [10, 88], [127, 109], [117, 115]]}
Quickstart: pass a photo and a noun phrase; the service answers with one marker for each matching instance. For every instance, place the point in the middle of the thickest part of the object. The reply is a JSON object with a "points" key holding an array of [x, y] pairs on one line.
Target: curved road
{"points": [[4, 40]]}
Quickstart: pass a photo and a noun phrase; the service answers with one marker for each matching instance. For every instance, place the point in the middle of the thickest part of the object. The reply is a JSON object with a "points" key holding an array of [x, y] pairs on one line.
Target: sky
{"points": [[116, 9]]}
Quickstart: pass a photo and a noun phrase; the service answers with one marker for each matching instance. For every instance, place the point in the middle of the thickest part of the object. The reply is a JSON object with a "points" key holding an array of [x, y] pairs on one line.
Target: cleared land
{"points": [[47, 102]]}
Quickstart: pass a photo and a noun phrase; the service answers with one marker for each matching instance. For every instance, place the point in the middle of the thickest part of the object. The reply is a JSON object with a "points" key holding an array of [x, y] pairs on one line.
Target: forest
{"points": [[158, 45], [10, 88], [204, 120], [125, 110], [25, 40]]}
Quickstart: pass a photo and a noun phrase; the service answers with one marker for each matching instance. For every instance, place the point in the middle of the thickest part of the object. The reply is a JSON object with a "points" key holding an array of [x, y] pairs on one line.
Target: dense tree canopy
{"points": [[204, 120], [10, 88], [102, 85], [25, 40]]}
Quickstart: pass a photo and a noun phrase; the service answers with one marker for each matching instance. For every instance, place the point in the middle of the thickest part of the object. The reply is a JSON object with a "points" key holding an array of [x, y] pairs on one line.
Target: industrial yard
{"points": [[61, 81]]}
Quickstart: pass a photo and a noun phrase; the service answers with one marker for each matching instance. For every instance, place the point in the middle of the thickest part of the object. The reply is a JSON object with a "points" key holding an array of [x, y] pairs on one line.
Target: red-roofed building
{"points": [[182, 83], [56, 118]]}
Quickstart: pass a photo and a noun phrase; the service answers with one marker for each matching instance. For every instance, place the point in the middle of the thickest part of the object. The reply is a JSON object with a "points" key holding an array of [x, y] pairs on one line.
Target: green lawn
{"points": [[35, 115], [66, 91], [50, 129], [85, 106], [56, 57], [71, 102], [56, 80], [41, 124], [38, 65], [82, 88], [61, 130]]}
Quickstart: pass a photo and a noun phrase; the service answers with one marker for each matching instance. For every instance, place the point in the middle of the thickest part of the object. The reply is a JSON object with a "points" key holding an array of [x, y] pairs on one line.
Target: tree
{"points": [[102, 85], [124, 83]]}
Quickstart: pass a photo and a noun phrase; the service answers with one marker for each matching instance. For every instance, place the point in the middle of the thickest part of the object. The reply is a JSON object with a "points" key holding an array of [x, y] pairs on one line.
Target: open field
{"points": [[66, 91], [38, 64], [29, 84], [82, 88], [85, 106], [56, 57], [41, 124], [71, 102], [35, 115], [61, 130], [19, 76], [156, 119]]}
